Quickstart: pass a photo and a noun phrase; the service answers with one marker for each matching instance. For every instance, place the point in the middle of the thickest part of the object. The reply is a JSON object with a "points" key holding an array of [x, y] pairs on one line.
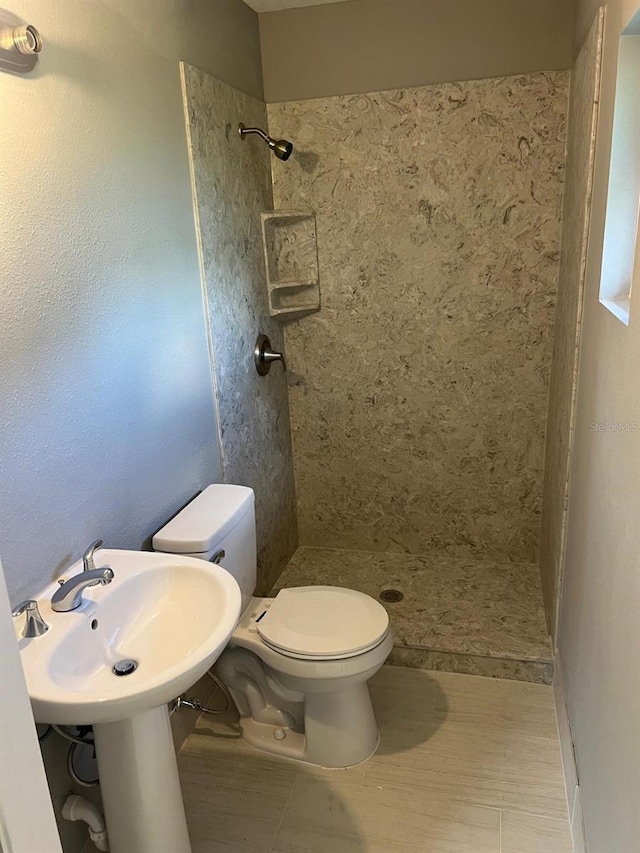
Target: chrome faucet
{"points": [[87, 558], [68, 596], [35, 626]]}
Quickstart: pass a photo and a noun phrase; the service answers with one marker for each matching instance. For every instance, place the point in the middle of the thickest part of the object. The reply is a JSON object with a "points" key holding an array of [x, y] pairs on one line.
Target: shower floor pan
{"points": [[456, 615]]}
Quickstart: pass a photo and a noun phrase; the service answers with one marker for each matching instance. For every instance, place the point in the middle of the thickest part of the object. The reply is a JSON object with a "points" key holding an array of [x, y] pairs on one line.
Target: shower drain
{"points": [[391, 595]]}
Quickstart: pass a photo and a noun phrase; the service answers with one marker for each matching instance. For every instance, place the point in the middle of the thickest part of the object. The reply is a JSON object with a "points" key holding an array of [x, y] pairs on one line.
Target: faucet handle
{"points": [[35, 626], [87, 558], [264, 355]]}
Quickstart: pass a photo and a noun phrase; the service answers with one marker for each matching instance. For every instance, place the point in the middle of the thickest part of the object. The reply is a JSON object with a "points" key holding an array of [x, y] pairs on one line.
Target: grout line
{"points": [[356, 836], [500, 837], [536, 814], [469, 800], [284, 812]]}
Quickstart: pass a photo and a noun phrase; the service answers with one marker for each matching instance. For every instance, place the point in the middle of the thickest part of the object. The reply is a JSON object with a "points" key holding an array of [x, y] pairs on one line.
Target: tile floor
{"points": [[476, 617], [465, 765]]}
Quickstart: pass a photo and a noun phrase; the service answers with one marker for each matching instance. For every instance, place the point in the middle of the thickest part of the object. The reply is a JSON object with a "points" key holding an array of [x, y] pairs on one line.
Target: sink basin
{"points": [[172, 615]]}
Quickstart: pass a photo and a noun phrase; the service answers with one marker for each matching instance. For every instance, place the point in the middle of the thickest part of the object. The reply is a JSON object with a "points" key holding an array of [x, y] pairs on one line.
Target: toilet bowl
{"points": [[297, 665], [309, 700]]}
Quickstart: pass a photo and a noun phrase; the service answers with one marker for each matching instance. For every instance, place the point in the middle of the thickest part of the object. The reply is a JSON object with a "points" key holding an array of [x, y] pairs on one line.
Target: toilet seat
{"points": [[323, 623]]}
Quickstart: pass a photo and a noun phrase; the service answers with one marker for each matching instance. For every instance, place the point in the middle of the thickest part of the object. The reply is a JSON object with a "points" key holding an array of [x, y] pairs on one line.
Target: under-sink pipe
{"points": [[77, 808]]}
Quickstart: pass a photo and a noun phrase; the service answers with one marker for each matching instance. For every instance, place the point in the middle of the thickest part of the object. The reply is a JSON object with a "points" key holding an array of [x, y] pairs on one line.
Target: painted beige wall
{"points": [[108, 421], [585, 13], [371, 45], [599, 634]]}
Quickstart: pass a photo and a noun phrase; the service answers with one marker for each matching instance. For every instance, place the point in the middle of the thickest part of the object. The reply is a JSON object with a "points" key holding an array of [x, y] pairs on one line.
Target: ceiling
{"points": [[274, 5]]}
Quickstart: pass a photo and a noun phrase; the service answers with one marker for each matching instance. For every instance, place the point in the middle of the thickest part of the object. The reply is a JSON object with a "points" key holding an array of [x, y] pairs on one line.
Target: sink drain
{"points": [[391, 596], [124, 667]]}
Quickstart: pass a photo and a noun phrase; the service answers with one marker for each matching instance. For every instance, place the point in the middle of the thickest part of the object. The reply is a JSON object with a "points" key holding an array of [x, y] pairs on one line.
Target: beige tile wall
{"points": [[418, 394], [232, 188]]}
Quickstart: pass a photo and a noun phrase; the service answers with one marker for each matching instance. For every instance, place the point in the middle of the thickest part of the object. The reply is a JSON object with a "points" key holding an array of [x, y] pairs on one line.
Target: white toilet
{"points": [[297, 665]]}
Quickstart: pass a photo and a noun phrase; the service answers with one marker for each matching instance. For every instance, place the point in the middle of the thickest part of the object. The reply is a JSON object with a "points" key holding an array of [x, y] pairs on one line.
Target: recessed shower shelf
{"points": [[291, 262], [290, 285]]}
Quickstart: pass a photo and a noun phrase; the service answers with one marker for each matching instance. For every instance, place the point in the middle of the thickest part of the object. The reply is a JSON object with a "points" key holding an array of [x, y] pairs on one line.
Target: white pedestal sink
{"points": [[172, 616]]}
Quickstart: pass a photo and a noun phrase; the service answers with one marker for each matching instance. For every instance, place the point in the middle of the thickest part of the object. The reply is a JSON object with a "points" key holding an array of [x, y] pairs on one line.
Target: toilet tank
{"points": [[218, 525]]}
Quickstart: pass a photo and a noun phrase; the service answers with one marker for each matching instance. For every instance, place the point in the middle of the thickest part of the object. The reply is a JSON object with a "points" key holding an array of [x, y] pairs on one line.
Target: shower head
{"points": [[282, 148]]}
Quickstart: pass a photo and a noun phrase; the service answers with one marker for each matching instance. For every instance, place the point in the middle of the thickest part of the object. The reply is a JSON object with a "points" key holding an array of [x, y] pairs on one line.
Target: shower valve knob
{"points": [[264, 355]]}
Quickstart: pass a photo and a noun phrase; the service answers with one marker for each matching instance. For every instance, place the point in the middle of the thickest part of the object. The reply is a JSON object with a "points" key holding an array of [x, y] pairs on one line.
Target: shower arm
{"points": [[243, 131]]}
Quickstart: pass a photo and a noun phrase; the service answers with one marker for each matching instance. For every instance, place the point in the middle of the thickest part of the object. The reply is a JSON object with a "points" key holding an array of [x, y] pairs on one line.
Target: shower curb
{"points": [[533, 671]]}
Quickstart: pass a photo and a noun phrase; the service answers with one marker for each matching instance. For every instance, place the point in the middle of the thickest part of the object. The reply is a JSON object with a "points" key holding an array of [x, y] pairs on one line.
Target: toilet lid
{"points": [[323, 622]]}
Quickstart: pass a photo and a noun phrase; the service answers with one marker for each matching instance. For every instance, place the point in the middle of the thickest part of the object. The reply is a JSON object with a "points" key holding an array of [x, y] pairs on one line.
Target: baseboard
{"points": [[571, 779], [577, 825]]}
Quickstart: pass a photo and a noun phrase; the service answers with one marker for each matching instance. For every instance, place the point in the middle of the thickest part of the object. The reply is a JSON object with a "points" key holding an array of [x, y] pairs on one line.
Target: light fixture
{"points": [[20, 44]]}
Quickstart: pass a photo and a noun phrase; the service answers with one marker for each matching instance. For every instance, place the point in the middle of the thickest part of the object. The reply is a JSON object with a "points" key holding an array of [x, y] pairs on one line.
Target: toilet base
{"points": [[269, 738], [316, 712], [340, 731]]}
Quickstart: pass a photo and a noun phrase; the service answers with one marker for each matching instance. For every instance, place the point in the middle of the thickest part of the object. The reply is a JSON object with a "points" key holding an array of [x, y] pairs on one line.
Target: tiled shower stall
{"points": [[413, 414]]}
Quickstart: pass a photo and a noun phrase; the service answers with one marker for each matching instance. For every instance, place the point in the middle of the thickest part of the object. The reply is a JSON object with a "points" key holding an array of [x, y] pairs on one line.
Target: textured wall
{"points": [[583, 112], [599, 630], [419, 397], [232, 187], [371, 45], [108, 420]]}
